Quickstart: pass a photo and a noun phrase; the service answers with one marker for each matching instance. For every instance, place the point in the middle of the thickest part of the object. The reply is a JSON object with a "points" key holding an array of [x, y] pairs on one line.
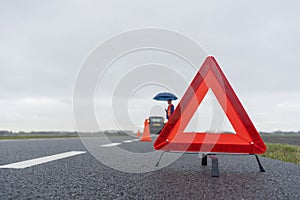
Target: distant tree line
{"points": [[281, 132], [6, 132]]}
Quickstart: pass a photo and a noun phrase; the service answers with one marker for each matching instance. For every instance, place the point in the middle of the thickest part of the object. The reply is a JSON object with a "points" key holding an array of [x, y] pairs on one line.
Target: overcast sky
{"points": [[43, 44]]}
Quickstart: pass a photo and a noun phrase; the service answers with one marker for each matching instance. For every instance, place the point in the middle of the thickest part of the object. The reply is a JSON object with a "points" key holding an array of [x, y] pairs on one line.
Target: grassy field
{"points": [[284, 152], [283, 147], [49, 136], [17, 137], [291, 139]]}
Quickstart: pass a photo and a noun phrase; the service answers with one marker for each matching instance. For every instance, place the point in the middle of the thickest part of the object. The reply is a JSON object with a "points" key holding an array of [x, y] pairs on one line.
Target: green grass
{"points": [[49, 136], [284, 152], [14, 137]]}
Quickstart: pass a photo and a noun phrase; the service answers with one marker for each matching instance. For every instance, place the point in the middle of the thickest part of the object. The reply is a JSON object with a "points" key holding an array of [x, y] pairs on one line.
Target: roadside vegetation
{"points": [[49, 136], [17, 137], [284, 152]]}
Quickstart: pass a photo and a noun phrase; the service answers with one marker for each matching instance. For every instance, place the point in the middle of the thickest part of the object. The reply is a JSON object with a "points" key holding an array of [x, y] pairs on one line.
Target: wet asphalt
{"points": [[84, 177]]}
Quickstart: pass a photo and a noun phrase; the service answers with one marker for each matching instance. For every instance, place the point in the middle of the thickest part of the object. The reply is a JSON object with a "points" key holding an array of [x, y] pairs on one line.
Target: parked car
{"points": [[156, 124]]}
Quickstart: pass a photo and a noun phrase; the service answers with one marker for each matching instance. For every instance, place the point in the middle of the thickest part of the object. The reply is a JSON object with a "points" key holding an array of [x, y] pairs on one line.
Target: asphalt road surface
{"points": [[82, 176]]}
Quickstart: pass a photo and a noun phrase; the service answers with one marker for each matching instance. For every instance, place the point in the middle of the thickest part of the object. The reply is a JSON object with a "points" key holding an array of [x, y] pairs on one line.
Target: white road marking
{"points": [[128, 141], [37, 161], [110, 145], [116, 144]]}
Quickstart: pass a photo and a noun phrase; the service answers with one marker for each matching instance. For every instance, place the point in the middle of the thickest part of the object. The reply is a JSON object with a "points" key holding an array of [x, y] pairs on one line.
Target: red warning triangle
{"points": [[246, 139]]}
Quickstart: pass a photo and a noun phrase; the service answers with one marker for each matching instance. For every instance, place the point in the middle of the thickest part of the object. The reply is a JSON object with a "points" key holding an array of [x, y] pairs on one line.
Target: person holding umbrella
{"points": [[166, 96], [170, 109]]}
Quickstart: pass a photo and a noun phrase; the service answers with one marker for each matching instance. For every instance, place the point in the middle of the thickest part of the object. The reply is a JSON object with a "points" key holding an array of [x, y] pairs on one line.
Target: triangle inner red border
{"points": [[246, 139]]}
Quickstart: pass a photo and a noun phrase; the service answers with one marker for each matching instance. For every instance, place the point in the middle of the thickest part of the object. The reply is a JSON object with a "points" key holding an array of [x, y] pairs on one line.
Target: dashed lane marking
{"points": [[110, 145], [128, 141], [37, 161], [125, 141]]}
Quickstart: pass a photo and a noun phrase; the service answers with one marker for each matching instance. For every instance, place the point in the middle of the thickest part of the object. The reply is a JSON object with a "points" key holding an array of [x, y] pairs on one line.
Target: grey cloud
{"points": [[43, 44]]}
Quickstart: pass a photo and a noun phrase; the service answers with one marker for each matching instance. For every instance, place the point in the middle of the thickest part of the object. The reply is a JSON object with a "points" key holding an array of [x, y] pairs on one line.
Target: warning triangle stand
{"points": [[246, 138]]}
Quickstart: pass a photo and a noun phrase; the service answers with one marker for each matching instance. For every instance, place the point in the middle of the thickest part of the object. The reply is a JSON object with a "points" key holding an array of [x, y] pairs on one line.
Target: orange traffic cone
{"points": [[138, 134], [146, 134]]}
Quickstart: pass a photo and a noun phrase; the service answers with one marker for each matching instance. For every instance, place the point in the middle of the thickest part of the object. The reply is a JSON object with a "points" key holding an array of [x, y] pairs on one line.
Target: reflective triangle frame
{"points": [[246, 138]]}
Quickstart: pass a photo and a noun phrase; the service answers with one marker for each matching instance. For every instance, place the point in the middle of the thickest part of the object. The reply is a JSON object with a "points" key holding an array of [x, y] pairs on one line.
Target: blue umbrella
{"points": [[165, 96]]}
